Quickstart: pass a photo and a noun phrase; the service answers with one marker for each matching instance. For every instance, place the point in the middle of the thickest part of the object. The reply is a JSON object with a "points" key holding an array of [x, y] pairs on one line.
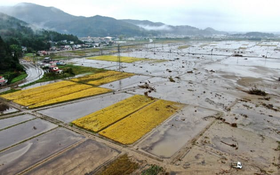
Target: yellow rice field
{"points": [[84, 93], [65, 90], [133, 127], [44, 96], [115, 58], [109, 115], [110, 79], [37, 90], [95, 76]]}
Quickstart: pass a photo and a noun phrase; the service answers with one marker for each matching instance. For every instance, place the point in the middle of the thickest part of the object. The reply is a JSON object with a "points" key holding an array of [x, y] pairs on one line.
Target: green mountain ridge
{"points": [[98, 26], [19, 33]]}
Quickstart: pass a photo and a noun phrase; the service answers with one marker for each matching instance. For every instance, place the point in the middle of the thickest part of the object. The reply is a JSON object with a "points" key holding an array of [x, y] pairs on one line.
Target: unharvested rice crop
{"points": [[123, 165], [84, 93], [30, 93], [109, 115], [183, 47], [65, 90], [95, 76], [133, 127], [110, 79], [44, 96], [116, 59]]}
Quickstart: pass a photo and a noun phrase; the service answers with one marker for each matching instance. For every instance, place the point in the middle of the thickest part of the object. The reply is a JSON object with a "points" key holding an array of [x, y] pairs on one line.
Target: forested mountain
{"points": [[9, 63], [98, 26], [18, 33], [57, 20]]}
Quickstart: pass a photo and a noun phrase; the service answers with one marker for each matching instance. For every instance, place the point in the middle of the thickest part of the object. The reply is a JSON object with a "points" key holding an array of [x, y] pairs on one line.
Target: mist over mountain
{"points": [[169, 29], [19, 33], [55, 19]]}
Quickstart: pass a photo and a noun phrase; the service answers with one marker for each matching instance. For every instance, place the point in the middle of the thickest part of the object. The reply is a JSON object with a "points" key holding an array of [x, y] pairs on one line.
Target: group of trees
{"points": [[9, 62], [17, 32], [14, 34]]}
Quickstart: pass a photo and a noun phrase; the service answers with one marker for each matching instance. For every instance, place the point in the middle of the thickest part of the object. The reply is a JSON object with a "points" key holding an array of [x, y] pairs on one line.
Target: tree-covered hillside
{"points": [[18, 33], [9, 63]]}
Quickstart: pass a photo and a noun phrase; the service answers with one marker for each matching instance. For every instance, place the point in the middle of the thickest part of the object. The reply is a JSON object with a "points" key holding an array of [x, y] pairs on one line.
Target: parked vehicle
{"points": [[60, 63], [237, 165]]}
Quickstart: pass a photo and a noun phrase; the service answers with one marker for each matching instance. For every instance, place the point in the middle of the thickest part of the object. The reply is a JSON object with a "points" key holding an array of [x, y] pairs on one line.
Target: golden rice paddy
{"points": [[109, 79], [96, 76], [65, 90], [116, 59], [73, 96], [109, 115], [129, 120], [135, 126]]}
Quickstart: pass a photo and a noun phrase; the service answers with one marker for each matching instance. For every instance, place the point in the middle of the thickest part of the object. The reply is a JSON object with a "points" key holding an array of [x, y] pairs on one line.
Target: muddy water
{"points": [[28, 153], [249, 146], [173, 135], [5, 109], [125, 83], [82, 159], [70, 112], [7, 122], [259, 123], [23, 131]]}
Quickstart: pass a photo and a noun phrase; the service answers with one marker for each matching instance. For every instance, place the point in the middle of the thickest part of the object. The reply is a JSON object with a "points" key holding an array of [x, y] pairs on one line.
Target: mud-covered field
{"points": [[230, 93]]}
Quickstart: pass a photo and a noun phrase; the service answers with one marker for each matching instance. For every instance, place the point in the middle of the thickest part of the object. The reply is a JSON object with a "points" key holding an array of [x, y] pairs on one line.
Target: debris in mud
{"points": [[171, 79], [244, 115], [255, 91], [224, 120], [269, 106], [232, 145], [168, 70], [147, 86], [266, 98], [190, 72]]}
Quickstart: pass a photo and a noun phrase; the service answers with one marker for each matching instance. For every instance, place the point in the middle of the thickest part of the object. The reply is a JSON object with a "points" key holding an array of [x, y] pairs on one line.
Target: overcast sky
{"points": [[226, 15]]}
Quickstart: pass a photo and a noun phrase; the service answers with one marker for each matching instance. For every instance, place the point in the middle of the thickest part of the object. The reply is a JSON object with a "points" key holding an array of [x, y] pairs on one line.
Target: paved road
{"points": [[34, 72]]}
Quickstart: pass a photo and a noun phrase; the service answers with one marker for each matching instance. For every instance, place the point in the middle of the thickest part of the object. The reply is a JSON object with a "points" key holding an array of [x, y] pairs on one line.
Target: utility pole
{"points": [[119, 60], [119, 57]]}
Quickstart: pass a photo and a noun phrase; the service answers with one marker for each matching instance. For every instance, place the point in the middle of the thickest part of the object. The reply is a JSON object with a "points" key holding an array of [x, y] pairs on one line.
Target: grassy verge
{"points": [[69, 71], [9, 91], [22, 76]]}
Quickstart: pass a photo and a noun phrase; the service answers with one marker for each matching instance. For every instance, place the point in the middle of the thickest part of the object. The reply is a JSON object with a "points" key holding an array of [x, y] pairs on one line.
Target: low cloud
{"points": [[163, 27]]}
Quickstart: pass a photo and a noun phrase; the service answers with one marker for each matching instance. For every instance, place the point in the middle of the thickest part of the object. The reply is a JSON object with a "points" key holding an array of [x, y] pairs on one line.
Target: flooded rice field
{"points": [[83, 159], [225, 119], [170, 137], [37, 149], [70, 112], [23, 131], [8, 122]]}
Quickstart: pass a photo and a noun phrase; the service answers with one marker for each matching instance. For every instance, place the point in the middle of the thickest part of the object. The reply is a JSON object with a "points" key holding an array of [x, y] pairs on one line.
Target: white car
{"points": [[237, 165]]}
